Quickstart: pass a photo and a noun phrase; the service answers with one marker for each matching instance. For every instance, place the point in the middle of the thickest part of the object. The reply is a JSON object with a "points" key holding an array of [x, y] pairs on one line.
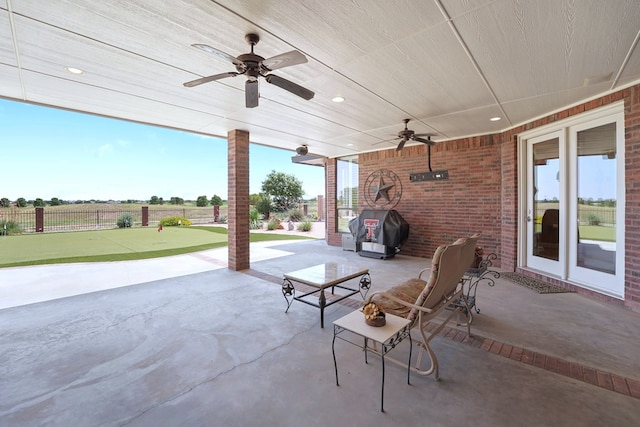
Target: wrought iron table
{"points": [[388, 336], [329, 275], [474, 276]]}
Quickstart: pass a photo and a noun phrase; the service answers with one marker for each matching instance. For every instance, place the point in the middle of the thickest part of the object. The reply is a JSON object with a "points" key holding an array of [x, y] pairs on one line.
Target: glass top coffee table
{"points": [[319, 277]]}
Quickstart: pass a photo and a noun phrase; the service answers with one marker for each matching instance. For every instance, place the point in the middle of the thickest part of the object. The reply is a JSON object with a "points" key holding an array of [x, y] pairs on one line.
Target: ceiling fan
{"points": [[254, 66], [406, 135]]}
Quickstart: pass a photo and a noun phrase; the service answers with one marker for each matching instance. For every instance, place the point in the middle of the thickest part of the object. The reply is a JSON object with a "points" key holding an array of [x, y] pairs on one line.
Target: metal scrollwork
{"points": [[481, 274], [365, 284], [288, 290]]}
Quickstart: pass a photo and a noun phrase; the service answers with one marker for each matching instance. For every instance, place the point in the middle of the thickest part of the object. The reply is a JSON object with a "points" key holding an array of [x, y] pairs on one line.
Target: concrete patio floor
{"points": [[206, 346]]}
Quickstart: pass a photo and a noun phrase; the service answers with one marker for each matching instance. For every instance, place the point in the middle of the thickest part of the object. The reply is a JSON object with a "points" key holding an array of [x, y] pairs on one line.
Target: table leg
{"points": [[382, 392], [322, 302], [409, 364], [333, 350], [366, 348]]}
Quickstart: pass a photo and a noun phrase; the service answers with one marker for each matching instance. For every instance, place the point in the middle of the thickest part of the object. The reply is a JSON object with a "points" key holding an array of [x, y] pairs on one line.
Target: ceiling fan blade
{"points": [[386, 140], [218, 53], [284, 60], [251, 93], [401, 145], [424, 134], [208, 79], [424, 141], [290, 86]]}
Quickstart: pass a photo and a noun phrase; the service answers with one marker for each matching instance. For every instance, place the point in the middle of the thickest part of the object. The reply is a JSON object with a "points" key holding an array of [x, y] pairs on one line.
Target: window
{"points": [[346, 191]]}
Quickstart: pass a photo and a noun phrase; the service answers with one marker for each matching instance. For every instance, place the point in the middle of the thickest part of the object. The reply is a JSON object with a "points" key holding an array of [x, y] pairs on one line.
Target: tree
{"points": [[216, 200], [55, 201], [202, 201], [286, 190], [38, 203], [154, 200], [4, 203], [262, 203], [21, 202], [176, 201]]}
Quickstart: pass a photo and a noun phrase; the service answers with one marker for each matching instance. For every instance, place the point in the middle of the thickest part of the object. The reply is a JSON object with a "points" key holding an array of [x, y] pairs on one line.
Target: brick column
{"points": [[238, 177], [333, 237]]}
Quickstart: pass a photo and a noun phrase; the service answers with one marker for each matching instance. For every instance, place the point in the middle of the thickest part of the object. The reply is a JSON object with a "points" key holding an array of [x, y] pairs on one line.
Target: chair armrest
{"points": [[398, 300], [422, 271]]}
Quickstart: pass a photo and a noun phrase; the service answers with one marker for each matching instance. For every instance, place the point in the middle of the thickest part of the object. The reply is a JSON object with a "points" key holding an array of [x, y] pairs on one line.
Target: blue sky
{"points": [[48, 152]]}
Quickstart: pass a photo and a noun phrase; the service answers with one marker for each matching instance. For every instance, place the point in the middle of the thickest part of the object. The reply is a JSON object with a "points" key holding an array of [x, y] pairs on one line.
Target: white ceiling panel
{"points": [[448, 65], [464, 123], [45, 90], [506, 38], [7, 53], [10, 85], [336, 32]]}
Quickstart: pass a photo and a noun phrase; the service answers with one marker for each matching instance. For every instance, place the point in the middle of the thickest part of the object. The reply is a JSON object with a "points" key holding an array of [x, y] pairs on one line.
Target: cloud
{"points": [[105, 150], [123, 143]]}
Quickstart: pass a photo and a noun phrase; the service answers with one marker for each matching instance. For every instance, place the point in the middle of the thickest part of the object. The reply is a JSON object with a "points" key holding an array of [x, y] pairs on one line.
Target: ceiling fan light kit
{"points": [[255, 66]]}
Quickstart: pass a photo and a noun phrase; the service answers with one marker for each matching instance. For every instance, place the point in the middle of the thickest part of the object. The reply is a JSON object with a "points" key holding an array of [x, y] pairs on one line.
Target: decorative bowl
{"points": [[379, 320]]}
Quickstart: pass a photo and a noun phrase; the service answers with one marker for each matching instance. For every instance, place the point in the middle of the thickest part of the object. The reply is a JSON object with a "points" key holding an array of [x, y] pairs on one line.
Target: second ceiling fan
{"points": [[254, 66], [407, 134]]}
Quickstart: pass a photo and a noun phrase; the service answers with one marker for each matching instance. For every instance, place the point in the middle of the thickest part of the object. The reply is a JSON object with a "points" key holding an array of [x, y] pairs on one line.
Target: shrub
{"points": [[254, 219], [10, 228], [305, 226], [125, 221], [593, 219], [174, 221], [296, 215], [273, 224], [222, 219]]}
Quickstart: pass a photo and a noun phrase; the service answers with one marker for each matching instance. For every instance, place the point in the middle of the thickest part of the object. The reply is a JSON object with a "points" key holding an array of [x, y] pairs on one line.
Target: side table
{"points": [[388, 336], [474, 276]]}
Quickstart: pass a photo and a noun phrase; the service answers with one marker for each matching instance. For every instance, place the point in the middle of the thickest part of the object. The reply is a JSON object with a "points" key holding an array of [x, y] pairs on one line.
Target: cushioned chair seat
{"points": [[406, 291]]}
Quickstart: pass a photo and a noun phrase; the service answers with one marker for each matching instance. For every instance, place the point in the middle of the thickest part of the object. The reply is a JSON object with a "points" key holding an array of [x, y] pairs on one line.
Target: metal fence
{"points": [[587, 215], [56, 220]]}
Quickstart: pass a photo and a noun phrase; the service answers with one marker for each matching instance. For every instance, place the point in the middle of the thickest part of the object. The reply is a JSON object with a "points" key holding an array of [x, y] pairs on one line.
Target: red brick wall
{"points": [[632, 197], [482, 191], [441, 211]]}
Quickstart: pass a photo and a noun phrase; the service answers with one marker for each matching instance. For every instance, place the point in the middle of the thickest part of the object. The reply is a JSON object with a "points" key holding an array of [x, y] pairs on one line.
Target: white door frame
{"points": [[612, 285]]}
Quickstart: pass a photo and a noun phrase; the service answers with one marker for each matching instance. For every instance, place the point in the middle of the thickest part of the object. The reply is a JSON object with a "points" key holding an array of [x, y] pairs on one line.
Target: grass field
{"points": [[115, 245]]}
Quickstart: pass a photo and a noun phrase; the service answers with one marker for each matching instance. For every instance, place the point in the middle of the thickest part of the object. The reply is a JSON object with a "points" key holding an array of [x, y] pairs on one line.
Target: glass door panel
{"points": [[544, 225], [596, 198], [596, 256]]}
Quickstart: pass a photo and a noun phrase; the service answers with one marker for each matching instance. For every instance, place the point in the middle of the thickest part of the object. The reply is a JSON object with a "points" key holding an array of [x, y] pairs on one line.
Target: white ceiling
{"points": [[449, 65]]}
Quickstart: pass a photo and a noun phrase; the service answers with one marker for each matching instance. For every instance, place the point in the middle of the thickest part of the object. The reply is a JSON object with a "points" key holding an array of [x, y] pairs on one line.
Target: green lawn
{"points": [[597, 232], [115, 245]]}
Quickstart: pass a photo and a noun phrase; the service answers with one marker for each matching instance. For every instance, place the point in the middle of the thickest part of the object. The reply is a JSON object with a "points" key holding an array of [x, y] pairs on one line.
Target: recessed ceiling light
{"points": [[349, 145], [495, 119], [73, 70], [338, 98]]}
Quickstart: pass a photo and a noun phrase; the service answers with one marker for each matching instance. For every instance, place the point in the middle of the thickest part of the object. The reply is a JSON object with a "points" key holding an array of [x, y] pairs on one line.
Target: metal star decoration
{"points": [[382, 190]]}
